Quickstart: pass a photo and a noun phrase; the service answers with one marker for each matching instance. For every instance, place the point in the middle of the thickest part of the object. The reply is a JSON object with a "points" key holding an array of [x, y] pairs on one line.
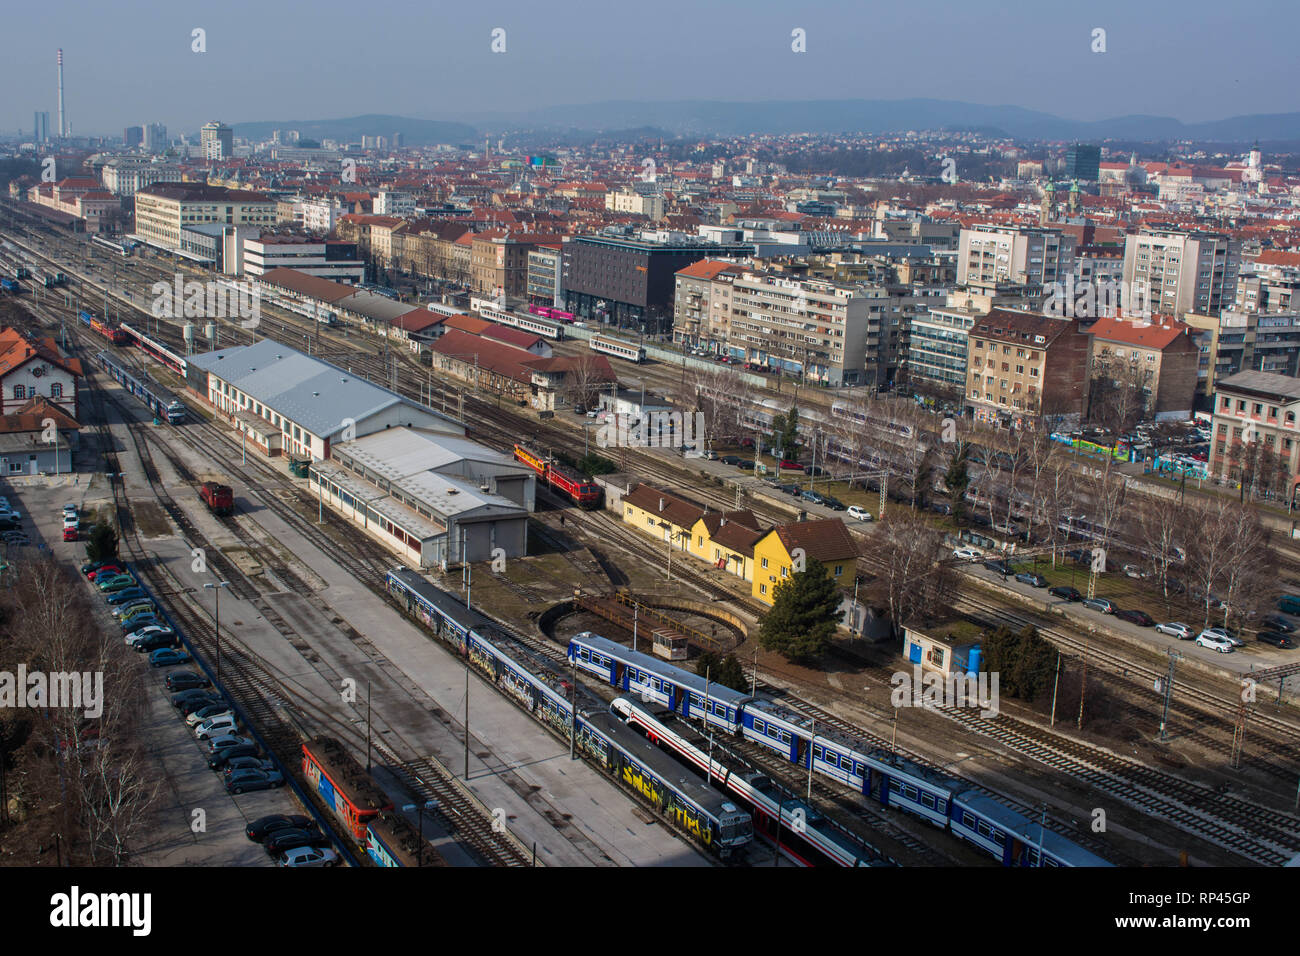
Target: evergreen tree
{"points": [[957, 479], [805, 612], [102, 543]]}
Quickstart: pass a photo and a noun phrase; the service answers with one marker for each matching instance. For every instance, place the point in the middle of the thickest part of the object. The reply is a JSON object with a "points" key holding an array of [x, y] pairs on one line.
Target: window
{"points": [[762, 589], [56, 389], [765, 562], [20, 391], [839, 569]]}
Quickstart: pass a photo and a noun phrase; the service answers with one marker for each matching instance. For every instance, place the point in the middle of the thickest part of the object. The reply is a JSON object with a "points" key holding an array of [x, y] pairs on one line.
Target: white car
{"points": [[1214, 642], [967, 554], [216, 727], [149, 630], [74, 522], [69, 511], [1224, 635], [1175, 629], [308, 856], [859, 513], [193, 720]]}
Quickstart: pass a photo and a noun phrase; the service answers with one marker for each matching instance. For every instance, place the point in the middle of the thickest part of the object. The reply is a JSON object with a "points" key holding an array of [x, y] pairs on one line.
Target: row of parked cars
{"points": [[11, 525], [1277, 633], [206, 712]]}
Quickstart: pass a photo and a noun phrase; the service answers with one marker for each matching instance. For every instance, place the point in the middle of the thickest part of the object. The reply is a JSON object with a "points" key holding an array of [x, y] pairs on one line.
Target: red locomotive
{"points": [[343, 784], [219, 498], [570, 482]]}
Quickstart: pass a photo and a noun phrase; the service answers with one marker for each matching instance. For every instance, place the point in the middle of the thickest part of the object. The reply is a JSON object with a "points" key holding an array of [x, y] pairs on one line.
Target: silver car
{"points": [[1174, 629]]}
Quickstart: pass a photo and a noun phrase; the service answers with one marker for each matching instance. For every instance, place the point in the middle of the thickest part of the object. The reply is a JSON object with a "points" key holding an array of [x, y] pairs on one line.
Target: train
{"points": [[343, 785], [9, 285], [102, 327], [570, 482], [392, 842], [706, 817], [547, 312], [46, 279], [538, 326], [219, 498], [618, 348], [161, 401], [942, 800], [277, 297], [155, 349], [117, 245]]}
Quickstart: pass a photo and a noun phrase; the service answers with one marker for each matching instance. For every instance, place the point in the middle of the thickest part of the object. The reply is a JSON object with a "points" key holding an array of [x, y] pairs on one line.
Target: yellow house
{"points": [[777, 551], [726, 540], [661, 514]]}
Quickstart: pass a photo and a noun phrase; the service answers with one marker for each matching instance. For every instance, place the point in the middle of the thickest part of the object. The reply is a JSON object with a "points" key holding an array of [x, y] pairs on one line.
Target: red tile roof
{"points": [[1148, 335]]}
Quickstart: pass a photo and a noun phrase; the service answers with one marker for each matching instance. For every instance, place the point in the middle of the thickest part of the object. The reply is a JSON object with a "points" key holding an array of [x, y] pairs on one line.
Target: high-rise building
{"points": [[133, 136], [155, 137], [41, 127], [1169, 272], [1083, 162], [991, 256], [217, 141]]}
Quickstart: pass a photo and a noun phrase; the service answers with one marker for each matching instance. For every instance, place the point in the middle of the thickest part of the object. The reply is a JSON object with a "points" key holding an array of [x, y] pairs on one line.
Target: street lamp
{"points": [[216, 615], [419, 809]]}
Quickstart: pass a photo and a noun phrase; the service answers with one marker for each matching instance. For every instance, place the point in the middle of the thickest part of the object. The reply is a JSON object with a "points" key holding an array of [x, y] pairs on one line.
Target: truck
{"points": [[219, 498]]}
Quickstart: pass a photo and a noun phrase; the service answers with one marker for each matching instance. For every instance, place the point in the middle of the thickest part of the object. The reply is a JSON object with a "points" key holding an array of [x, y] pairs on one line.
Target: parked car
{"points": [[1104, 605], [221, 741], [941, 507], [216, 727], [247, 763], [218, 759], [244, 780], [1176, 629], [1065, 591], [71, 533], [1033, 580], [125, 596], [116, 583], [731, 460], [207, 712], [93, 566], [186, 680], [816, 497], [967, 554], [1276, 638], [787, 465], [1289, 604], [167, 657], [308, 856], [579, 409], [188, 701], [859, 513], [126, 609], [1229, 634], [817, 471], [998, 566], [1134, 571], [262, 827], [1276, 622], [1214, 642], [148, 631], [105, 570], [139, 620], [278, 841], [1140, 618]]}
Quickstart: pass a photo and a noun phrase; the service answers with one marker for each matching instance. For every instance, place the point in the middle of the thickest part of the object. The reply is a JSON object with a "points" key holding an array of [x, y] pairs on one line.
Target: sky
{"points": [[128, 63]]}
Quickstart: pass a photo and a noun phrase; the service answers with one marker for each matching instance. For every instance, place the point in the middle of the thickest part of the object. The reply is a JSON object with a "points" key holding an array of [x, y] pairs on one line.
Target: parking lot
{"points": [[193, 819]]}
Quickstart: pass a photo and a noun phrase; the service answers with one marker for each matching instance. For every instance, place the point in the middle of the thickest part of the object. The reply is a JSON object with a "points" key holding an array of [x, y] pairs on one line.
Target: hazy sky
{"points": [[128, 62]]}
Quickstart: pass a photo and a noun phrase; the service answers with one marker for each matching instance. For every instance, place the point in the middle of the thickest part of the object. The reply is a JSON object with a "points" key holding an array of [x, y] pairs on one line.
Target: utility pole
{"points": [[467, 709], [1083, 686], [573, 711], [1174, 656], [636, 609], [216, 616], [1055, 684], [811, 737]]}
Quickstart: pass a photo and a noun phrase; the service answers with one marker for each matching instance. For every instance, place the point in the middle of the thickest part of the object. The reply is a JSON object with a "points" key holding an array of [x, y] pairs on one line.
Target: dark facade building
{"points": [[630, 283], [1083, 162], [133, 136]]}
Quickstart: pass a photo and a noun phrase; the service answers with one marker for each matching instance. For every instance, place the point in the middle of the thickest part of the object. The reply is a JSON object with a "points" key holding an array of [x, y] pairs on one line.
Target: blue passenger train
{"points": [[938, 798], [703, 814], [161, 401]]}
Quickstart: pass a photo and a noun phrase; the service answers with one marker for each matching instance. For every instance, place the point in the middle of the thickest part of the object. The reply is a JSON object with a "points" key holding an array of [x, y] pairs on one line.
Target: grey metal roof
{"points": [[316, 395], [1264, 383]]}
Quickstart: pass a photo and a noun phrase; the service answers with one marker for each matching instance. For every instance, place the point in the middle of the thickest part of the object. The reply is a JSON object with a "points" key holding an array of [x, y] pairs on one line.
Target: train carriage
{"points": [[535, 324], [343, 784], [617, 348], [392, 842], [776, 728], [570, 482], [155, 349], [161, 401]]}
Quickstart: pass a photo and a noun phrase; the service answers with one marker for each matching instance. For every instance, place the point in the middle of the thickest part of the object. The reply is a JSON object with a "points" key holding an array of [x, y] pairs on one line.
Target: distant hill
{"points": [[880, 116], [417, 132]]}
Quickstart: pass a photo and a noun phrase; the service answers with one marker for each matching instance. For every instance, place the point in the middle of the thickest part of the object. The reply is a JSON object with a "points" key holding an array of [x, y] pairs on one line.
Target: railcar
{"points": [[570, 482], [155, 349], [9, 285], [161, 401], [538, 326], [392, 842], [343, 784], [624, 350], [103, 328]]}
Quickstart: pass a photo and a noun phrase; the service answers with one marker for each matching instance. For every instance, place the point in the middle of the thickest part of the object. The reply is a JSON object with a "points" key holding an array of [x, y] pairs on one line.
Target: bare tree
{"points": [[1228, 556], [1162, 522], [913, 583], [586, 375], [721, 396]]}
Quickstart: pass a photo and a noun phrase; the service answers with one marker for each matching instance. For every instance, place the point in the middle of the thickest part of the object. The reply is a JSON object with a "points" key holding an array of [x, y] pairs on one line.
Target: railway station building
{"points": [[435, 500], [285, 402]]}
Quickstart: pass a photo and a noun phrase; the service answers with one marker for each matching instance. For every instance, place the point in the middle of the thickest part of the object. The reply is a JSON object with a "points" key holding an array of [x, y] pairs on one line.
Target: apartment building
{"points": [[545, 272], [628, 201], [390, 202], [937, 342], [163, 210], [217, 141], [1177, 272], [809, 328], [1021, 365], [702, 304], [125, 176], [1269, 283], [499, 264], [1252, 407], [991, 255], [1163, 353]]}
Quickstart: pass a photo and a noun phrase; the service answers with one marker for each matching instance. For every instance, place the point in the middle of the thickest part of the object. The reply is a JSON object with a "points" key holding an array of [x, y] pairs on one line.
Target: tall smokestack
{"points": [[63, 127]]}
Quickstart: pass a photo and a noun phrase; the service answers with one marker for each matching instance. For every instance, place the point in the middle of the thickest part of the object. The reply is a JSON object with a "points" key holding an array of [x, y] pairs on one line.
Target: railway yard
{"points": [[314, 641]]}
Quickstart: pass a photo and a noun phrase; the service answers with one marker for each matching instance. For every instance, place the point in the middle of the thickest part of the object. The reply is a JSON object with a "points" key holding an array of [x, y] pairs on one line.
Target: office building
{"points": [[217, 141], [1083, 162]]}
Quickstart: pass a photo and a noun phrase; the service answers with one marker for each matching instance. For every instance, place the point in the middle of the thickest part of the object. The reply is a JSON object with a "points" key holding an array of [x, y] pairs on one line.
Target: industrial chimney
{"points": [[63, 126]]}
